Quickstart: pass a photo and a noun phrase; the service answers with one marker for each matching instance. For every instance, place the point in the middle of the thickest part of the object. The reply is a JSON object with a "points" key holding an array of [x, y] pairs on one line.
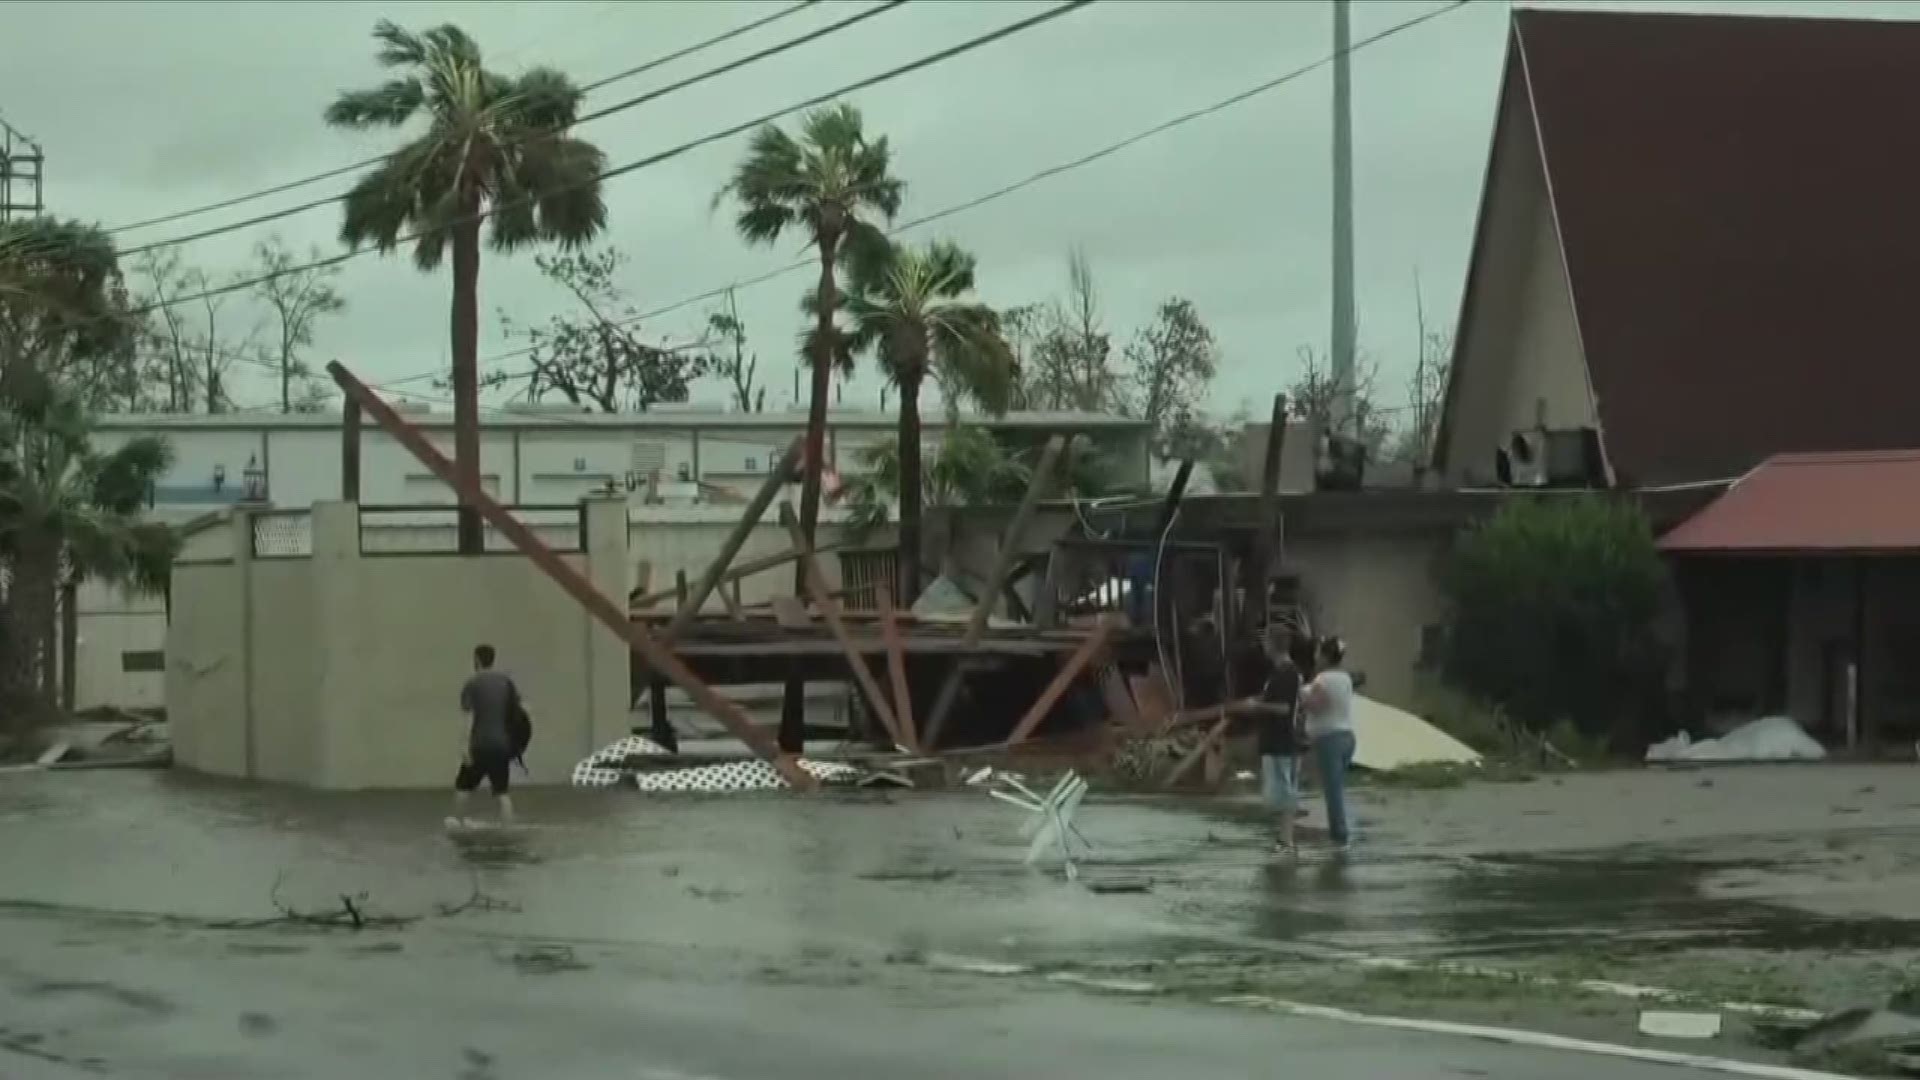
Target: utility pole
{"points": [[21, 160], [1341, 341]]}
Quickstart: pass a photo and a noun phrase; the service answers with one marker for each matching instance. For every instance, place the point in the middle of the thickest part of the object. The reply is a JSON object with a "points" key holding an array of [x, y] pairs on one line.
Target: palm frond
{"points": [[388, 105], [542, 99], [379, 206], [565, 173], [123, 479], [399, 47], [762, 223]]}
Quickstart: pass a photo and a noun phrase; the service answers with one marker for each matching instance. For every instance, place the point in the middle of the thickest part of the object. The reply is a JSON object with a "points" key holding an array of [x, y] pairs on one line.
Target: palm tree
{"points": [[494, 146], [913, 308], [822, 182], [970, 467], [68, 512], [825, 181]]}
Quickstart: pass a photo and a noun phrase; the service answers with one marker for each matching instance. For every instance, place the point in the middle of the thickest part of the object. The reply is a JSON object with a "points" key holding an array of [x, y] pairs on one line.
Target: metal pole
{"points": [[1342, 342]]}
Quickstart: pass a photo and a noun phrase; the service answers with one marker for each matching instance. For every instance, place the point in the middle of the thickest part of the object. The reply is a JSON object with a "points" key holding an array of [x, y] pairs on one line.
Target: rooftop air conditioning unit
{"points": [[1551, 457], [545, 408]]}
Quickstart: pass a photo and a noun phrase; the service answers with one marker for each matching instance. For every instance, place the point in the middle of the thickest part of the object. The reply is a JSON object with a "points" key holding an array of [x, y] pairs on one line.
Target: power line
{"points": [[1033, 178], [1084, 160], [652, 95], [698, 46], [665, 155]]}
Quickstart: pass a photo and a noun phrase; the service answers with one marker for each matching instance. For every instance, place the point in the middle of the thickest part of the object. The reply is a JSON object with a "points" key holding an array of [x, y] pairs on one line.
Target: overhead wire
{"points": [[940, 56], [1076, 163], [292, 185], [651, 95], [1237, 98]]}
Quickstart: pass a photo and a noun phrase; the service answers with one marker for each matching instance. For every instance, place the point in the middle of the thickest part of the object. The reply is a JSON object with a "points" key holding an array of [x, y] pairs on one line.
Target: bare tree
{"points": [[733, 363], [594, 356], [1312, 397], [1170, 367], [1426, 388], [1064, 349], [297, 296], [168, 340]]}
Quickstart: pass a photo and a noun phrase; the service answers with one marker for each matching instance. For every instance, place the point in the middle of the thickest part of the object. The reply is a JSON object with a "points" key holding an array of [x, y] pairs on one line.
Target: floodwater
{"points": [[1811, 866]]}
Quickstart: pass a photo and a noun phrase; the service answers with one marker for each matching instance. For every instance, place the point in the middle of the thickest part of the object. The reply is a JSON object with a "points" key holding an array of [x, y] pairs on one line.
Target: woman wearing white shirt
{"points": [[1328, 702]]}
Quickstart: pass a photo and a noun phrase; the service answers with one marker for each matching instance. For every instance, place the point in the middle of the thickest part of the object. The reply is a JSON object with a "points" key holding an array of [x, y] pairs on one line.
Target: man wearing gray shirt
{"points": [[488, 698]]}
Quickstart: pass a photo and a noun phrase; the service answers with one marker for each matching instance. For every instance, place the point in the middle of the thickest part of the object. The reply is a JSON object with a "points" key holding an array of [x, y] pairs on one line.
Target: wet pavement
{"points": [[751, 937]]}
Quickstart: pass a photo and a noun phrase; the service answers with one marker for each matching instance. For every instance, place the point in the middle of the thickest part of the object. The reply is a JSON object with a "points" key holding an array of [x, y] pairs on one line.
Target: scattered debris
{"points": [[1117, 986], [1863, 1039], [1051, 823], [546, 960], [1106, 885], [938, 873], [58, 751], [1770, 738], [1680, 1025], [1390, 738]]}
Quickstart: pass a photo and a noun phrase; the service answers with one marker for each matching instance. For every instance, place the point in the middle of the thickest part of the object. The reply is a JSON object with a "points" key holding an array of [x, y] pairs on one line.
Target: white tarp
{"points": [[1387, 738], [1770, 738]]}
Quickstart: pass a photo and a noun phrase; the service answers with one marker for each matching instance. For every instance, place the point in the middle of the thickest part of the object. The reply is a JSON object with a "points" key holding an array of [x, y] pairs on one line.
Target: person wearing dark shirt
{"points": [[1276, 710], [488, 698]]}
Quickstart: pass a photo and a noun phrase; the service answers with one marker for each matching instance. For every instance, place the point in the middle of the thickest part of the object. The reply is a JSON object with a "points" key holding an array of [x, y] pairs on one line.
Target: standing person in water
{"points": [[1280, 737], [489, 699], [1328, 704]]}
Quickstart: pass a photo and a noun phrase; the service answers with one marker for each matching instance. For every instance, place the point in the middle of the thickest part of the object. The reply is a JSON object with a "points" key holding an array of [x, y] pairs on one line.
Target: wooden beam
{"points": [[897, 667], [1255, 576], [730, 598], [573, 583], [1121, 710], [1003, 562], [1198, 753], [350, 452], [830, 611], [1069, 671], [640, 598], [680, 603], [742, 529]]}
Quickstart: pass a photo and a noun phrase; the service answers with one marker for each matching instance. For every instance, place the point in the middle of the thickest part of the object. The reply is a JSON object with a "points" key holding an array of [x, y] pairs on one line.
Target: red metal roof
{"points": [[1739, 203], [1844, 501]]}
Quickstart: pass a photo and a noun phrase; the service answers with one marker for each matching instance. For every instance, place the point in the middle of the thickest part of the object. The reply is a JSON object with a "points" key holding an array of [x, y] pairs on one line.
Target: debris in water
{"points": [[1680, 1025]]}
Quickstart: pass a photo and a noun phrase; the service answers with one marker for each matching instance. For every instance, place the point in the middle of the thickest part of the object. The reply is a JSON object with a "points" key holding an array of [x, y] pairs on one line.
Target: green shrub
{"points": [[1552, 604]]}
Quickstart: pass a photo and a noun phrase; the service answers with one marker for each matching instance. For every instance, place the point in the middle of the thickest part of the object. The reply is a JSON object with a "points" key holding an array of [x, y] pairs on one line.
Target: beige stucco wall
{"points": [[1519, 360], [340, 670], [1378, 593]]}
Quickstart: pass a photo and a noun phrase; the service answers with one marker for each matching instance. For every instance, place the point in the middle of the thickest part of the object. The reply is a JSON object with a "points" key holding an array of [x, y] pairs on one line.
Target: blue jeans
{"points": [[1333, 756]]}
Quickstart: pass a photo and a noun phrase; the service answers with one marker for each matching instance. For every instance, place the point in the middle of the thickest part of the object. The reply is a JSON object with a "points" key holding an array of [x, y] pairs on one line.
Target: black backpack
{"points": [[519, 729]]}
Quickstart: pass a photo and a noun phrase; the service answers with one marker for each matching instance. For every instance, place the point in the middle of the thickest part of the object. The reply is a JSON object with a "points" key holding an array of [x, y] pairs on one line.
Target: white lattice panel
{"points": [[282, 535]]}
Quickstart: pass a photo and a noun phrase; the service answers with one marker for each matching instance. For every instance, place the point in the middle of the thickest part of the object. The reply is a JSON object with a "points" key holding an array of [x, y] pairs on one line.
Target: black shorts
{"points": [[491, 765]]}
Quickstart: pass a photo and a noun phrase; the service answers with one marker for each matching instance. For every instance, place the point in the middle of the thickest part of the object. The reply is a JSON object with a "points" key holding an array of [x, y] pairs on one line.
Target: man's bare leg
{"points": [[505, 804]]}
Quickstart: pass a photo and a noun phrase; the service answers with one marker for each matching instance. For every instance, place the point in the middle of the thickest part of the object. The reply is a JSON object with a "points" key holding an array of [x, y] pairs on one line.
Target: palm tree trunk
{"points": [[911, 485], [30, 633], [793, 704], [69, 644], [466, 374]]}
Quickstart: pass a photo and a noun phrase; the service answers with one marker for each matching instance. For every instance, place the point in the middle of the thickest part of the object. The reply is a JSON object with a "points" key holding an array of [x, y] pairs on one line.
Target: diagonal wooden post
{"points": [[897, 667], [1069, 671], [1199, 752], [742, 529], [983, 608], [572, 582], [830, 611]]}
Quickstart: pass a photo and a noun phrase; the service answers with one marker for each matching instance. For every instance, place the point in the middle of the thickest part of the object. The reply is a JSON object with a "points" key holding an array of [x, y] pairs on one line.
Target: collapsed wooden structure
{"points": [[1104, 647]]}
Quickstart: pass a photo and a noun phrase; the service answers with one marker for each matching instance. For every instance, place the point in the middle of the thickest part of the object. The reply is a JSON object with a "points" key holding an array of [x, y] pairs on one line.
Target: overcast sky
{"points": [[147, 108]]}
